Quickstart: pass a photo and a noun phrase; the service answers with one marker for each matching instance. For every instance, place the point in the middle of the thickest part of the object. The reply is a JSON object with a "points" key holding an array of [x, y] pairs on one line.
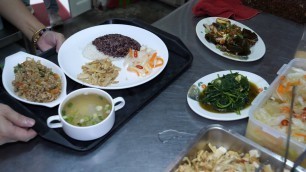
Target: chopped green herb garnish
{"points": [[69, 105]]}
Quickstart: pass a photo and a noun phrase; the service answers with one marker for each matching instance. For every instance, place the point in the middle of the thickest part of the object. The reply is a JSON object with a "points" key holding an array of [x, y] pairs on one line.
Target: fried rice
{"points": [[35, 82]]}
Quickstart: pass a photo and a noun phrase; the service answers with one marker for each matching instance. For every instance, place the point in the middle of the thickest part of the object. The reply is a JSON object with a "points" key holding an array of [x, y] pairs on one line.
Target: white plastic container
{"points": [[264, 134], [301, 49]]}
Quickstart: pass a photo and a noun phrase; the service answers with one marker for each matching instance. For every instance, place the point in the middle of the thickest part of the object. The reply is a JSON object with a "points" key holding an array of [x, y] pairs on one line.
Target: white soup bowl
{"points": [[86, 133]]}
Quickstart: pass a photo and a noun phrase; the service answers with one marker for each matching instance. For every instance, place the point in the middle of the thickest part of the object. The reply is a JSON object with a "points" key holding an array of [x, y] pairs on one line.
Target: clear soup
{"points": [[86, 110]]}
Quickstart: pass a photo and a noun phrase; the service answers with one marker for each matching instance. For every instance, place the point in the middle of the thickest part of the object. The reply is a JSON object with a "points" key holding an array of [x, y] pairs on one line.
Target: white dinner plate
{"points": [[195, 105], [8, 76], [71, 59], [257, 51]]}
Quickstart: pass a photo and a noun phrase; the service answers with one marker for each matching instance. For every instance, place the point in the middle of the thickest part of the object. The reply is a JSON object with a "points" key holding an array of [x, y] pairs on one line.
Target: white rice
{"points": [[90, 52]]}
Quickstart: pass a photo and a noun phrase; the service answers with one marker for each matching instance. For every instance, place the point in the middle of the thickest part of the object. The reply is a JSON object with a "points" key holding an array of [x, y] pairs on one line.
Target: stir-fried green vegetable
{"points": [[228, 93]]}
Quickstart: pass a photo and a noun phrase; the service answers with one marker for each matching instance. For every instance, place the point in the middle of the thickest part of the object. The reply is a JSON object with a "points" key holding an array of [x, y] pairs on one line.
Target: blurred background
{"points": [[79, 14], [147, 10]]}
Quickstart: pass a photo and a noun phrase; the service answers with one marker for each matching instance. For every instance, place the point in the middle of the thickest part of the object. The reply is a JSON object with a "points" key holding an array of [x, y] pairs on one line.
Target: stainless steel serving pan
{"points": [[218, 136]]}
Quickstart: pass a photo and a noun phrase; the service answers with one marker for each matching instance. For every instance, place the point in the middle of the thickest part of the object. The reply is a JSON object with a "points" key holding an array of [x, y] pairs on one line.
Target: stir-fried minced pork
{"points": [[99, 72], [35, 82]]}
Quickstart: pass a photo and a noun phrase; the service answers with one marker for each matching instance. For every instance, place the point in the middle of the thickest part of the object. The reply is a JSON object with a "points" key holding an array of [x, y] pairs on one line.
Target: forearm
{"points": [[16, 12]]}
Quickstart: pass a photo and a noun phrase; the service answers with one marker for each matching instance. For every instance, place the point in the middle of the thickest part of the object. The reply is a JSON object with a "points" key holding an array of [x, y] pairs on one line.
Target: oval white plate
{"points": [[257, 51], [71, 59], [195, 105], [8, 76]]}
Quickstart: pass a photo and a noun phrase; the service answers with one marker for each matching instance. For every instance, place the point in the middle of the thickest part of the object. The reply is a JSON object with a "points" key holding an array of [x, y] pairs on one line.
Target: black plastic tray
{"points": [[136, 98]]}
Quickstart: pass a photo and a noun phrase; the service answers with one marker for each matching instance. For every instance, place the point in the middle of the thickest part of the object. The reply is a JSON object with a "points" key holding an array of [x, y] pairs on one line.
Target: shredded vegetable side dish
{"points": [[275, 111], [222, 160], [143, 62], [99, 72], [35, 82]]}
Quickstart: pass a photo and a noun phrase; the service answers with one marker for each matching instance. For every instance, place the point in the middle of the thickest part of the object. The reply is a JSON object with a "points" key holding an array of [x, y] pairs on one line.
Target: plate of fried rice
{"points": [[34, 80], [113, 56]]}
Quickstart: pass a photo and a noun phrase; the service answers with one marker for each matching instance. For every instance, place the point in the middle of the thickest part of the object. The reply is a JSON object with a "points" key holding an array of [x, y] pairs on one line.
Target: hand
{"points": [[14, 126], [50, 39]]}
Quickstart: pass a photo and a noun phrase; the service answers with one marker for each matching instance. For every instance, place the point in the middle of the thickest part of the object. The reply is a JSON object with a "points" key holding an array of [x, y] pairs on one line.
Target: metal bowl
{"points": [[218, 136]]}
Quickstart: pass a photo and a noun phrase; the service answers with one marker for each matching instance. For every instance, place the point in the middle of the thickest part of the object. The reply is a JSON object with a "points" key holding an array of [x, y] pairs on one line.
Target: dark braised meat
{"points": [[115, 45], [230, 38], [250, 36]]}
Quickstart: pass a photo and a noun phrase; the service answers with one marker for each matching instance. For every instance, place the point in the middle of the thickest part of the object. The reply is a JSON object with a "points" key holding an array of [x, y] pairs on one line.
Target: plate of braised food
{"points": [[225, 95], [230, 39], [113, 56]]}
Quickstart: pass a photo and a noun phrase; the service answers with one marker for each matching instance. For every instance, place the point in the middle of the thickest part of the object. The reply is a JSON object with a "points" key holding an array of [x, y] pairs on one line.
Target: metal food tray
{"points": [[136, 98], [219, 136]]}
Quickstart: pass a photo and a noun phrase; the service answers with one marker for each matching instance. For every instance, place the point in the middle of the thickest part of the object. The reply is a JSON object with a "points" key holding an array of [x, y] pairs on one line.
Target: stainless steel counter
{"points": [[137, 146]]}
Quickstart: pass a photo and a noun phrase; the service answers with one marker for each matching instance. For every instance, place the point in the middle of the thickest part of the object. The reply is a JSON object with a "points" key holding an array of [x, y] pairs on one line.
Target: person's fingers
{"points": [[49, 40], [59, 41], [6, 140], [21, 134], [16, 118], [46, 41], [15, 133], [14, 127]]}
